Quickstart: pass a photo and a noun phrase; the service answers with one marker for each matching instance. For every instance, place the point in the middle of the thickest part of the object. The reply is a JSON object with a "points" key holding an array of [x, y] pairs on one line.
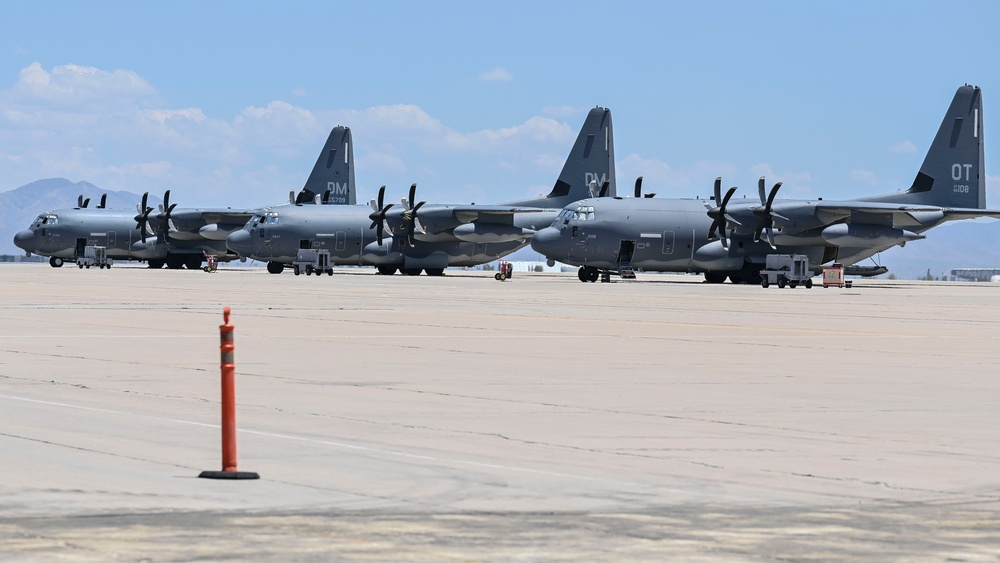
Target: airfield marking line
{"points": [[382, 451]]}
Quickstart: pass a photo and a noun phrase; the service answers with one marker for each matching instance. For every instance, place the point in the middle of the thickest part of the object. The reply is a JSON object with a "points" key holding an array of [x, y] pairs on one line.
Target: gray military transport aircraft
{"points": [[731, 238], [177, 237], [425, 237]]}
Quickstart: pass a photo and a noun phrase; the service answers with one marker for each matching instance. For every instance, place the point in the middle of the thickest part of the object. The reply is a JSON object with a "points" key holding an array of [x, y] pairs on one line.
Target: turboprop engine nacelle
{"points": [[844, 234], [147, 248], [490, 232]]}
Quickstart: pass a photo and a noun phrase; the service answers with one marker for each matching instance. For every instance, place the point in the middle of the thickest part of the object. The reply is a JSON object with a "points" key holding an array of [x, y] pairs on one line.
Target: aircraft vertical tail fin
{"points": [[591, 162], [332, 177], [953, 173]]}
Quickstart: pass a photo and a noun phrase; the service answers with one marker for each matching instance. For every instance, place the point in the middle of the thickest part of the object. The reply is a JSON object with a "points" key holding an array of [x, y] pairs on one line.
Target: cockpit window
{"points": [[583, 213], [49, 219]]}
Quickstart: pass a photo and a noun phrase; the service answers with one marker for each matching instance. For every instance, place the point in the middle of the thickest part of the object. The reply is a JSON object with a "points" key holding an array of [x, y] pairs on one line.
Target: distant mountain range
{"points": [[963, 244]]}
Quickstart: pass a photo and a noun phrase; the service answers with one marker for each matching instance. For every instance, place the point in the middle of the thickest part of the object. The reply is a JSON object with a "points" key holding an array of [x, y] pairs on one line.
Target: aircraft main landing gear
{"points": [[588, 274], [277, 267], [55, 262]]}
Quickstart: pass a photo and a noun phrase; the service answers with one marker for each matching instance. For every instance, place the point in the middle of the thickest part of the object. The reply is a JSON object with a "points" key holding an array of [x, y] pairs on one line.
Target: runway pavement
{"points": [[461, 418]]}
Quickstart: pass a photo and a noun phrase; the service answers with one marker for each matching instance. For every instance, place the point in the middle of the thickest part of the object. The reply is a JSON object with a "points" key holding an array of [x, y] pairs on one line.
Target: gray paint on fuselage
{"points": [[111, 228], [345, 231]]}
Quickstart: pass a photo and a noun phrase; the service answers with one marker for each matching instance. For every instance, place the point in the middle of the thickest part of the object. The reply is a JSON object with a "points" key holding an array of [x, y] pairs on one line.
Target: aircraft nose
{"points": [[240, 243], [546, 241], [25, 240]]}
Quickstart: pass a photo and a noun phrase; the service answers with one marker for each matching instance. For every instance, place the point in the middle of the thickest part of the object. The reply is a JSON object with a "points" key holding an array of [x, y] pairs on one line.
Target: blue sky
{"points": [[228, 103]]}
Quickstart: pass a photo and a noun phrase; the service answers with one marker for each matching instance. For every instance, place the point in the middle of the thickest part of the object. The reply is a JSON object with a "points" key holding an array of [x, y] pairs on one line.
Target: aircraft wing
{"points": [[490, 213], [211, 224]]}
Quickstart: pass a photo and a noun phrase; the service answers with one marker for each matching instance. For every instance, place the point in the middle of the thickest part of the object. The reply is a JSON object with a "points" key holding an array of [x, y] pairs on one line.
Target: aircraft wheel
{"points": [[55, 262], [193, 261], [781, 283], [155, 263], [582, 274], [175, 261], [593, 274], [715, 277], [809, 284], [410, 271], [736, 278], [435, 271], [386, 270], [275, 267]]}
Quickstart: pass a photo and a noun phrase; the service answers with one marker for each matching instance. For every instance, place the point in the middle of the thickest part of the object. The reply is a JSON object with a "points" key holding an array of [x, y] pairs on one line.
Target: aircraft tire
{"points": [[386, 270], [193, 262], [175, 261], [582, 274], [435, 271], [275, 267], [155, 263], [410, 271], [55, 262], [715, 277]]}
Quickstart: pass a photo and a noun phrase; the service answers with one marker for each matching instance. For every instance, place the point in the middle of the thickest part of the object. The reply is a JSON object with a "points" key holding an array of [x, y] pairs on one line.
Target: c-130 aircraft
{"points": [[732, 238], [418, 237], [177, 237]]}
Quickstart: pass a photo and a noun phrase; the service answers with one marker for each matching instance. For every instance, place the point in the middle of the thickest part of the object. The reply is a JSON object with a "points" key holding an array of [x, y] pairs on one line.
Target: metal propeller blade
{"points": [[378, 216], [104, 201], [719, 214], [411, 221], [765, 216], [142, 219], [164, 216], [638, 187], [604, 188]]}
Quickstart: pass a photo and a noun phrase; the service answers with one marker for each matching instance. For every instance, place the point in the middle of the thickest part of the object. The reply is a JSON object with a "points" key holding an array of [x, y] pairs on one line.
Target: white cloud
{"points": [[904, 147], [112, 128], [498, 74], [864, 176]]}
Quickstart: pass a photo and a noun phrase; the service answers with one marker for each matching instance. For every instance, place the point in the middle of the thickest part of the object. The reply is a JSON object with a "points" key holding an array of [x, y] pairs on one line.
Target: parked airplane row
{"points": [[582, 221]]}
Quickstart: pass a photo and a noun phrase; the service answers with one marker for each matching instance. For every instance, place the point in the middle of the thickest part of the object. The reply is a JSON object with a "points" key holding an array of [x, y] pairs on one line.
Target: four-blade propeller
{"points": [[719, 215], [378, 216], [765, 216]]}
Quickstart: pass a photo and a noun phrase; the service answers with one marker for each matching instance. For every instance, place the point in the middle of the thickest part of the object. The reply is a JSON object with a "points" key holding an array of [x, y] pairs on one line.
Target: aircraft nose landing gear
{"points": [[588, 274]]}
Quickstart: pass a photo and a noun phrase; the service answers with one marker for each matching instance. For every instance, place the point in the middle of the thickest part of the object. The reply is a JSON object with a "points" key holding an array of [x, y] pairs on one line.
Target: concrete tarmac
{"points": [[463, 419]]}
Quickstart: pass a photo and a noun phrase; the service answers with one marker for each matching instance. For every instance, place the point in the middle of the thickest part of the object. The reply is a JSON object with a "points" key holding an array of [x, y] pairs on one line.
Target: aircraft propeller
{"points": [[142, 219], [638, 189], [410, 215], [719, 215], [82, 203], [164, 215], [765, 215], [378, 216], [604, 188], [104, 201]]}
